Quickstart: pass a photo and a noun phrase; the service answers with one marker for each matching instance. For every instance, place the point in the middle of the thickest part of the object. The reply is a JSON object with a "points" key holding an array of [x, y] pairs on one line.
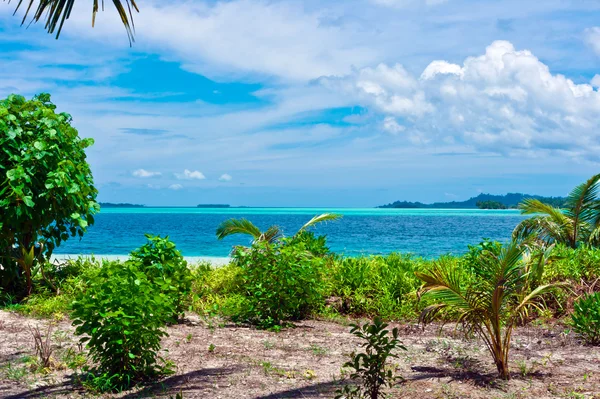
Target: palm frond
{"points": [[581, 199], [271, 235], [238, 226], [544, 228], [324, 217], [443, 285], [56, 12], [529, 299]]}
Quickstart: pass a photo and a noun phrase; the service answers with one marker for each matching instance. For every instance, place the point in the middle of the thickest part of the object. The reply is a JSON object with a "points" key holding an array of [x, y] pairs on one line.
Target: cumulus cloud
{"points": [[175, 187], [593, 38], [505, 100], [190, 175], [225, 177], [143, 173]]}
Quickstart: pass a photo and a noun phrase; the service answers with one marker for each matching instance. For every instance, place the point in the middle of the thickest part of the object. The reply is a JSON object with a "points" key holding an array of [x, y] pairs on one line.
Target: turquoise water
{"points": [[424, 232]]}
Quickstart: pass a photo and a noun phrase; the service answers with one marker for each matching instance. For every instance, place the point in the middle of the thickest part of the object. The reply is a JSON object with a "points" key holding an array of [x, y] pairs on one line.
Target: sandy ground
{"points": [[219, 360]]}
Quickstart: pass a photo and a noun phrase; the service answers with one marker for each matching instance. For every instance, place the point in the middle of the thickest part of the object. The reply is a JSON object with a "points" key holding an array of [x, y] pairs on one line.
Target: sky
{"points": [[351, 103]]}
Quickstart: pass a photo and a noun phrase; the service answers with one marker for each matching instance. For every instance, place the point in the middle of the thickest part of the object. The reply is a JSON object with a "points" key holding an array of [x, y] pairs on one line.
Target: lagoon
{"points": [[424, 232]]}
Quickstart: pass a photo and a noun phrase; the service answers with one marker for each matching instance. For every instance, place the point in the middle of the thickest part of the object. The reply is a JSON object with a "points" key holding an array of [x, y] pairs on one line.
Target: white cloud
{"points": [[190, 175], [175, 187], [225, 177], [592, 36], [236, 38], [143, 173], [502, 101], [596, 81], [392, 126]]}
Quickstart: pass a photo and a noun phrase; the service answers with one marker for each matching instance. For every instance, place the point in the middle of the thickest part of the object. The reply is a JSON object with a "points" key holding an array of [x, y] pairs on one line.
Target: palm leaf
{"points": [[238, 226], [324, 217], [56, 12], [271, 235]]}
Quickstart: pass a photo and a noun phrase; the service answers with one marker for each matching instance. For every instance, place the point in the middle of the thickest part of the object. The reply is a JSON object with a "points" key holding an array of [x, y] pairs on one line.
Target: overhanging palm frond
{"points": [[581, 199], [271, 235], [545, 228], [56, 12], [238, 226], [324, 217]]}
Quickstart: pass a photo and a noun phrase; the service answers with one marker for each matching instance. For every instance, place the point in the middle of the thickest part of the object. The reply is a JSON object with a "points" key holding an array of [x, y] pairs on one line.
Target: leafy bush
{"points": [[377, 285], [218, 290], [316, 245], [46, 187], [281, 281], [586, 318], [369, 367], [164, 264], [121, 315]]}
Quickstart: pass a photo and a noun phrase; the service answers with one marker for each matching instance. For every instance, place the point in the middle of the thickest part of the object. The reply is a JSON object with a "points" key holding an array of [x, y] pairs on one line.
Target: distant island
{"points": [[120, 205], [213, 206], [482, 201]]}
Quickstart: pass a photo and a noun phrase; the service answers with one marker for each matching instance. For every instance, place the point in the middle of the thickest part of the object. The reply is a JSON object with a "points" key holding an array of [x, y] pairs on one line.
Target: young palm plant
{"points": [[272, 234], [500, 293], [577, 223]]}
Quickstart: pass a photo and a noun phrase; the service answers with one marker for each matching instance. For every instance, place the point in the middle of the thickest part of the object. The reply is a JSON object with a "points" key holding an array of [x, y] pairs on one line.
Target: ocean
{"points": [[423, 232]]}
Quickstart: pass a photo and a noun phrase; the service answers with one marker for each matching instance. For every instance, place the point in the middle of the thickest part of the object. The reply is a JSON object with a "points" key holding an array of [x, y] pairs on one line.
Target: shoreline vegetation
{"points": [[482, 201]]}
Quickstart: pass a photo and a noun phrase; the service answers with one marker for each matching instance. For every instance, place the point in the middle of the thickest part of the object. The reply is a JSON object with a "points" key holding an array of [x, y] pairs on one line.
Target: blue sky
{"points": [[316, 103]]}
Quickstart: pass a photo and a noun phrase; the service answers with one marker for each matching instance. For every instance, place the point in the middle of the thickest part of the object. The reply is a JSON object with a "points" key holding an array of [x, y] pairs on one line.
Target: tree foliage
{"points": [[578, 222], [56, 12], [46, 187]]}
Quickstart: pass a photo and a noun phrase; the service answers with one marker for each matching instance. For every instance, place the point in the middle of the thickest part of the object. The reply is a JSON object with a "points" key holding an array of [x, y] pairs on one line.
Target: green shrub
{"points": [[586, 318], [164, 265], [316, 245], [280, 281], [377, 285], [370, 367], [574, 265], [121, 316], [218, 290]]}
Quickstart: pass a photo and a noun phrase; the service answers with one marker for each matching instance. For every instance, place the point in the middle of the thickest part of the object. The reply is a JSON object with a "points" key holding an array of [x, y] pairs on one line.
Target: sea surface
{"points": [[423, 232]]}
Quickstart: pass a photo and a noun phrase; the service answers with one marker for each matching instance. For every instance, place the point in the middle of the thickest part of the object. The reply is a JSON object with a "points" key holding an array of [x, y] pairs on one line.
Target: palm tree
{"points": [[499, 293], [56, 12], [578, 222], [273, 233]]}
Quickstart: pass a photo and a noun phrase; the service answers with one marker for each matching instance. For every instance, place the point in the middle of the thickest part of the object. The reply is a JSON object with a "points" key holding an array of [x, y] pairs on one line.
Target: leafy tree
{"points": [[272, 234], [46, 187], [501, 293], [577, 223], [56, 12]]}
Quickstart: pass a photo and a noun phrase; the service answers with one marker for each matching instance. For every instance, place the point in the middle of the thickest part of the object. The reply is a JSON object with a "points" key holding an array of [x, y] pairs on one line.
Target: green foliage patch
{"points": [[46, 188], [586, 318], [164, 265], [370, 369], [122, 315], [281, 281]]}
